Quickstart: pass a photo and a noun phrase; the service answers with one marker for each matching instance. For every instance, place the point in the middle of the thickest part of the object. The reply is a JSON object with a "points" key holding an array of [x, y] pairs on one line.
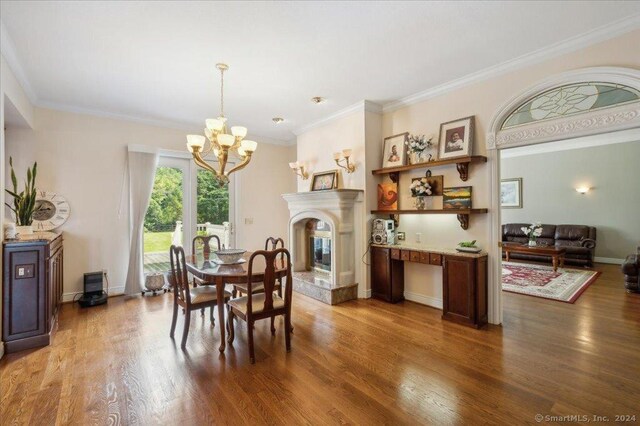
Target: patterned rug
{"points": [[565, 285]]}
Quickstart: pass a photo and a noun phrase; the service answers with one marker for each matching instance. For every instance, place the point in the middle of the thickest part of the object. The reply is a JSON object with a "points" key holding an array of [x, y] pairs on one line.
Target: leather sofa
{"points": [[578, 240], [630, 269]]}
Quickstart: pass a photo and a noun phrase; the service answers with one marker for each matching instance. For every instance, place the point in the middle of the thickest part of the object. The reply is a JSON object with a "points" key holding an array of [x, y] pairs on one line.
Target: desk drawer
{"points": [[395, 254], [435, 259], [405, 255], [424, 257]]}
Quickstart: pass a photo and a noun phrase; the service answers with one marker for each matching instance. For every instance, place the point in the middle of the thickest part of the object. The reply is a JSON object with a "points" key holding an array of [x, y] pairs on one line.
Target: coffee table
{"points": [[556, 253]]}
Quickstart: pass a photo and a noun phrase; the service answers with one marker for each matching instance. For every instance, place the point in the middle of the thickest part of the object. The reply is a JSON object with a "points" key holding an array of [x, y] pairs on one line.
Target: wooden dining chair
{"points": [[257, 306], [190, 299]]}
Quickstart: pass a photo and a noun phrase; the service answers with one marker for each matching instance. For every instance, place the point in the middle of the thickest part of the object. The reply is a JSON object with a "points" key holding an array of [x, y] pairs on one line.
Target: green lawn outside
{"points": [[157, 241]]}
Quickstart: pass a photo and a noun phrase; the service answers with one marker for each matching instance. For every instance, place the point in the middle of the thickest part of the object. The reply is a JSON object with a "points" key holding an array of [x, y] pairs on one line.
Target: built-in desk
{"points": [[464, 278]]}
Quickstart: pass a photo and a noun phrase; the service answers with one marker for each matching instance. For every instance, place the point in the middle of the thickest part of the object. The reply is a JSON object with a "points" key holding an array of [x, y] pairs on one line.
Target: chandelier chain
{"points": [[221, 93]]}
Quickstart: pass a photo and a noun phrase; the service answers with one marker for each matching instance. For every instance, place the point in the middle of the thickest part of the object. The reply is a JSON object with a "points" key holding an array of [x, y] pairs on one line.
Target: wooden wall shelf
{"points": [[463, 215], [462, 164]]}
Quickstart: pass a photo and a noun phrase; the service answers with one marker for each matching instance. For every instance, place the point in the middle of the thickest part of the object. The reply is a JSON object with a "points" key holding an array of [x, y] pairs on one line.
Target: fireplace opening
{"points": [[319, 246]]}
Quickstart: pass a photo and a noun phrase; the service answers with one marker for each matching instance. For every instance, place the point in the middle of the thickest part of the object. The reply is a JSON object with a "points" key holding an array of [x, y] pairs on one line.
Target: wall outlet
{"points": [[418, 237], [401, 236], [248, 221]]}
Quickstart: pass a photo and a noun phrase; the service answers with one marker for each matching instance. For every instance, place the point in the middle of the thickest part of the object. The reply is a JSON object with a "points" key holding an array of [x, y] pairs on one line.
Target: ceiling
{"points": [[156, 61]]}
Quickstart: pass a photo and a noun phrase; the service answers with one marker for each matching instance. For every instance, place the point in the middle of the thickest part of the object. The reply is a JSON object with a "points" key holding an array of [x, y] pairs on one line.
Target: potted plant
{"points": [[24, 203], [533, 231], [420, 189]]}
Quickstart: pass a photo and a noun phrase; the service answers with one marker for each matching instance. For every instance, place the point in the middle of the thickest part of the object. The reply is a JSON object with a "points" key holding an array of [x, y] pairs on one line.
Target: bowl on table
{"points": [[229, 256]]}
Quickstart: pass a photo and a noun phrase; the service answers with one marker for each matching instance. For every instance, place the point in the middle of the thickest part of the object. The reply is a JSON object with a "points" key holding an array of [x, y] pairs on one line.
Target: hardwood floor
{"points": [[362, 362]]}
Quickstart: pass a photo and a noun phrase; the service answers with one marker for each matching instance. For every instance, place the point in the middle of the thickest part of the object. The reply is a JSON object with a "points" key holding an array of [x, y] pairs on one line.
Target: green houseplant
{"points": [[24, 203]]}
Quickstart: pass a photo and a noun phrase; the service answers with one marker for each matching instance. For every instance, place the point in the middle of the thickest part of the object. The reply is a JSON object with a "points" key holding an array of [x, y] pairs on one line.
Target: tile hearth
{"points": [[318, 285]]}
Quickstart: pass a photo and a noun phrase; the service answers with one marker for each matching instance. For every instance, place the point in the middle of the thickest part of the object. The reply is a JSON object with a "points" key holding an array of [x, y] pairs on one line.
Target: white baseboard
{"points": [[113, 291], [367, 294], [424, 300], [611, 260]]}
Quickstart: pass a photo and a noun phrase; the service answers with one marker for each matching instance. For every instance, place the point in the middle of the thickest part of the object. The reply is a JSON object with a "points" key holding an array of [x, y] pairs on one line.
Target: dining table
{"points": [[207, 269]]}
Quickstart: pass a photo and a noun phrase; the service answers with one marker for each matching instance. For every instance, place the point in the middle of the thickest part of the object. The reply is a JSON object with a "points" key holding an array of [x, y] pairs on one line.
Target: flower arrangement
{"points": [[533, 231], [418, 143], [421, 187]]}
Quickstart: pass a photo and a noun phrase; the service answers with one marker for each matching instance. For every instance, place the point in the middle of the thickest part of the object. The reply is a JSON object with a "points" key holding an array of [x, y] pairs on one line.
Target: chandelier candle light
{"points": [[221, 143], [344, 156]]}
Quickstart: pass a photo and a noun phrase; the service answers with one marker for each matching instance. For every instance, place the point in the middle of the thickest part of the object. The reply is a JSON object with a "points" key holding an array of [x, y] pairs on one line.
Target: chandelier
{"points": [[221, 143]]}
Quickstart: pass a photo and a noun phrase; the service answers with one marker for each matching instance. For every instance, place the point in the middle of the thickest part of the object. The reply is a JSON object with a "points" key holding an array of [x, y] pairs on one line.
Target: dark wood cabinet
{"points": [[465, 290], [387, 276], [32, 288]]}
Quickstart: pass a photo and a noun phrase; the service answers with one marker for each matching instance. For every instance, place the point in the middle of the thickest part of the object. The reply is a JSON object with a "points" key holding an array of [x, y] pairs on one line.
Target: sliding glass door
{"points": [[186, 201]]}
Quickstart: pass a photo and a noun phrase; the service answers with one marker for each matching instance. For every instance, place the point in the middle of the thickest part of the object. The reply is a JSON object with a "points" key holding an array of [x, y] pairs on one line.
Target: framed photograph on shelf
{"points": [[457, 198], [324, 181], [511, 193], [435, 183], [456, 138], [394, 150], [388, 196]]}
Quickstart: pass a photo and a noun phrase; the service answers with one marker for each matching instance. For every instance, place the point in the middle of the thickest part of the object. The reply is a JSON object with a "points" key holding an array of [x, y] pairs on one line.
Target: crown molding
{"points": [[572, 44], [365, 106], [9, 53], [624, 136]]}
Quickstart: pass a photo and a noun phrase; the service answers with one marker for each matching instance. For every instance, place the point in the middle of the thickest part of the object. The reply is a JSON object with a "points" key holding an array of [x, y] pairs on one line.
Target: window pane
{"points": [[212, 206], [163, 221]]}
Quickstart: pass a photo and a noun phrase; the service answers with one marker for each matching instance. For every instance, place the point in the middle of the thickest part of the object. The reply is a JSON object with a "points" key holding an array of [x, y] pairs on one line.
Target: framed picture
{"points": [[436, 183], [456, 138], [324, 181], [388, 196], [394, 150], [457, 198], [511, 193]]}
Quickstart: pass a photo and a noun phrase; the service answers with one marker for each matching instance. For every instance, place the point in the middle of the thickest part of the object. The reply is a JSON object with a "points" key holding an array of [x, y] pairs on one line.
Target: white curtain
{"points": [[142, 171]]}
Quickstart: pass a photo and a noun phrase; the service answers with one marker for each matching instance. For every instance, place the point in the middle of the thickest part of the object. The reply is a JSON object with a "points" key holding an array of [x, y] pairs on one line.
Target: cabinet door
{"points": [[380, 273], [24, 295], [459, 289]]}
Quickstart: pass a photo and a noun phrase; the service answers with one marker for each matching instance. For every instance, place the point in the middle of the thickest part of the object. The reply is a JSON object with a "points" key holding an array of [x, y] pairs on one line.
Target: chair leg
{"points": [[230, 328], [174, 319], [213, 321], [252, 354], [185, 333], [202, 312], [287, 331], [234, 293], [273, 327]]}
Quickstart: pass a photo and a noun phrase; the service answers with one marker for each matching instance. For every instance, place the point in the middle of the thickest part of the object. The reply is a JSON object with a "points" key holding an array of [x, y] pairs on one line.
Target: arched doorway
{"points": [[575, 104]]}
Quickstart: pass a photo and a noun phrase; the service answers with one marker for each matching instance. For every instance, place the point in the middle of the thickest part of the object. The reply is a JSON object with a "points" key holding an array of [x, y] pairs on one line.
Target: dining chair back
{"points": [[205, 241]]}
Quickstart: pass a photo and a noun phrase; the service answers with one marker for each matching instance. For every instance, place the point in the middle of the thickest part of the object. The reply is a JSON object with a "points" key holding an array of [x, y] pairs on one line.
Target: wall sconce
{"points": [[298, 168], [582, 189], [344, 156]]}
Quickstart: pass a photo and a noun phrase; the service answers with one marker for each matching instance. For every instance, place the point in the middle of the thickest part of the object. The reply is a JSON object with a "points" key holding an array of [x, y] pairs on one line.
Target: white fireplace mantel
{"points": [[343, 210]]}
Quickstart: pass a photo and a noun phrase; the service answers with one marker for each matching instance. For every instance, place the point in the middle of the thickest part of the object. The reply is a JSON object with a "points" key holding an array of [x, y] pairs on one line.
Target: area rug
{"points": [[564, 285]]}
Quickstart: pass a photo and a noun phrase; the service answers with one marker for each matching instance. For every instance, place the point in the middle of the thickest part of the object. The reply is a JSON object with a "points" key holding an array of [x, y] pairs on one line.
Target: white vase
{"points": [[532, 243], [24, 230]]}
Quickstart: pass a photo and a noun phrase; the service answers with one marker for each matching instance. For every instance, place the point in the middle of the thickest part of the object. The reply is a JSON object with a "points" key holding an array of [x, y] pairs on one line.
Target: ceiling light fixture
{"points": [[220, 142], [317, 99], [277, 120]]}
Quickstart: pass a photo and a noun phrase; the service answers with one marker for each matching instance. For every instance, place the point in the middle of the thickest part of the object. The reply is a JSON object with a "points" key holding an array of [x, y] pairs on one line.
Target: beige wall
{"points": [[549, 181], [84, 158], [483, 99], [316, 148]]}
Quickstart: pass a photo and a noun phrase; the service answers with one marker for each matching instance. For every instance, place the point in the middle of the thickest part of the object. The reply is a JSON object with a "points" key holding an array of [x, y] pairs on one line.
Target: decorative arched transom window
{"points": [[569, 100]]}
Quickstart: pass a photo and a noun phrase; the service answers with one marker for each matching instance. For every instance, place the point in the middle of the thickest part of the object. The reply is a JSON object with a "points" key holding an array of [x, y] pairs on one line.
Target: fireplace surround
{"points": [[326, 242]]}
